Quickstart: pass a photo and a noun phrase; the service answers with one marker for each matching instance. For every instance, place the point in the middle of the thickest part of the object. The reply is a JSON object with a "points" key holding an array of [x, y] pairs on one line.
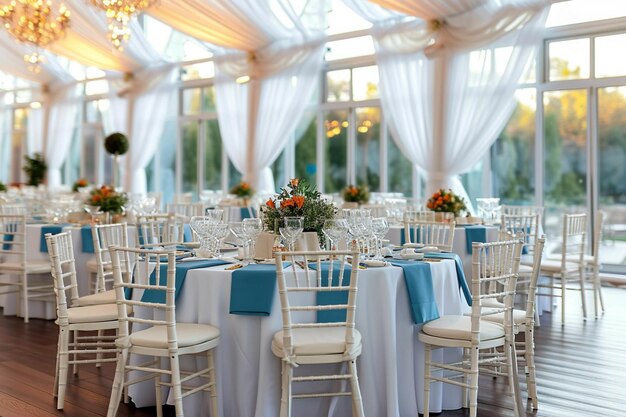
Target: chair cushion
{"points": [[32, 267], [92, 314], [519, 316], [106, 297], [551, 265], [525, 269], [491, 303], [317, 341], [460, 328], [92, 265], [187, 334]]}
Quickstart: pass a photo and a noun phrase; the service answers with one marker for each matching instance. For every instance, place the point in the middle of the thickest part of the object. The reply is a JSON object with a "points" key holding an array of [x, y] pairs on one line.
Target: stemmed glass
{"points": [[380, 227], [240, 233], [220, 232], [204, 227], [252, 227], [215, 214], [335, 230], [293, 228]]}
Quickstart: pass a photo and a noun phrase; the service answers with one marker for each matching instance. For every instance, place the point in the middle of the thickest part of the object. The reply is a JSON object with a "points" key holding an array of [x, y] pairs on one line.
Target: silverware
{"points": [[232, 267]]}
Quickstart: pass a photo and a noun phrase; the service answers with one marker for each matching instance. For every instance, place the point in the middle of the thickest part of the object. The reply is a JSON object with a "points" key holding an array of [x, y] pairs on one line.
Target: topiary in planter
{"points": [[116, 143], [35, 168]]}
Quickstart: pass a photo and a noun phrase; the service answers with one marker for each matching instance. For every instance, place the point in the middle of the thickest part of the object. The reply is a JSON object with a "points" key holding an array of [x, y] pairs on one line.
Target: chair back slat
{"points": [[13, 237], [311, 273], [523, 226], [63, 263], [104, 236], [430, 233], [573, 245], [156, 229]]}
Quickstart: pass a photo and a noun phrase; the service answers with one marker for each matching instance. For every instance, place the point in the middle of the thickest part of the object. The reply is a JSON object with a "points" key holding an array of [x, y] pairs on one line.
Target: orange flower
{"points": [[447, 197], [298, 200], [440, 200], [294, 182], [270, 203], [245, 186], [287, 203], [96, 198], [430, 205], [82, 182]]}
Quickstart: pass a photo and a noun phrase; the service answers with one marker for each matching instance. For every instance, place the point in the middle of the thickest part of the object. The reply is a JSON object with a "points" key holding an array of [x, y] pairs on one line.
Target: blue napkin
{"points": [[54, 229], [460, 275], [252, 290], [87, 239], [332, 297], [158, 296], [187, 235], [419, 285], [473, 234], [247, 213], [7, 238]]}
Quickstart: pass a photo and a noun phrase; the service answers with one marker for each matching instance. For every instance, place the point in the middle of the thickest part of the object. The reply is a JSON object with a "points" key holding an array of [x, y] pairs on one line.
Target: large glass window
{"points": [[368, 147], [400, 170], [189, 150], [569, 59], [306, 156], [212, 156], [335, 150]]}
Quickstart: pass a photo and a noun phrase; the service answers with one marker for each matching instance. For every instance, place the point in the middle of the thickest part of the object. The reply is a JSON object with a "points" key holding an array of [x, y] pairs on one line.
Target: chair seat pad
{"points": [[525, 269], [519, 316], [92, 265], [317, 341], [187, 334], [32, 267], [491, 303], [92, 314], [460, 328], [106, 297], [557, 257]]}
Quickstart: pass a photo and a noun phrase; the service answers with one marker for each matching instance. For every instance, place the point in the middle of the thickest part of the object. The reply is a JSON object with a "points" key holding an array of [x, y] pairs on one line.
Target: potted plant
{"points": [[35, 168], [116, 144]]}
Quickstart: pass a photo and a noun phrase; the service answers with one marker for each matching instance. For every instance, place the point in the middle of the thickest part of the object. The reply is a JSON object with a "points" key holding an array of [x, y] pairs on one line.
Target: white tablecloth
{"points": [[248, 374], [458, 244]]}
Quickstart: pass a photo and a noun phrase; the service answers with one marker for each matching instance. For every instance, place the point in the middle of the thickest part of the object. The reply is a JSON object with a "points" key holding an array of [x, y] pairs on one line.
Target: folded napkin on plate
{"points": [[374, 263], [460, 275], [473, 234], [158, 296], [332, 297], [86, 239], [252, 290], [53, 229], [419, 285]]}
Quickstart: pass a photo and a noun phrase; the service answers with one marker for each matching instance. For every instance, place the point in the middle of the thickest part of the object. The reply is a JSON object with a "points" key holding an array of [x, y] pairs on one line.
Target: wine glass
{"points": [[240, 233], [253, 228], [380, 227], [335, 229], [203, 227], [220, 232], [293, 228], [215, 214]]}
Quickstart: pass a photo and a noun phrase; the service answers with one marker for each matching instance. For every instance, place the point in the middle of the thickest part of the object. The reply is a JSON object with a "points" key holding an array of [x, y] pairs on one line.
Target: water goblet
{"points": [[221, 231], [239, 232], [253, 228], [214, 213], [380, 227], [204, 228], [335, 229]]}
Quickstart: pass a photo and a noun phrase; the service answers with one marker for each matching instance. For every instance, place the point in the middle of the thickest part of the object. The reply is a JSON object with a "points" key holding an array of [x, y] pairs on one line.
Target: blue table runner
{"points": [[158, 296], [419, 285], [7, 238], [54, 229], [252, 290], [86, 239], [473, 234]]}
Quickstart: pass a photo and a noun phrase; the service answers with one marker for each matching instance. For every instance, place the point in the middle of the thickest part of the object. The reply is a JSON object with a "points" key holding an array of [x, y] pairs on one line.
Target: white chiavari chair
{"points": [[105, 235], [155, 229], [522, 210], [303, 340], [570, 267], [14, 262], [497, 261], [73, 319], [436, 234], [187, 210], [164, 338], [592, 263]]}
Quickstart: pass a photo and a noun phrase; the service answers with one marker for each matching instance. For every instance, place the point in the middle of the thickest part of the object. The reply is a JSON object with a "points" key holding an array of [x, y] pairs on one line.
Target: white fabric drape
{"points": [[151, 111], [445, 98], [34, 131], [62, 122], [5, 150]]}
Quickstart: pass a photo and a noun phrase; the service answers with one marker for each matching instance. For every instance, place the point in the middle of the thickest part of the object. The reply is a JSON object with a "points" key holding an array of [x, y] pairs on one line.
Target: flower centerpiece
{"points": [[356, 194], [446, 201], [108, 200], [81, 183], [298, 199], [243, 190]]}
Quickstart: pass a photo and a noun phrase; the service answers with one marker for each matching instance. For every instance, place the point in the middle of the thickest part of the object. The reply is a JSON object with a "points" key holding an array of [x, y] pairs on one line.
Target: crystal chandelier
{"points": [[34, 22], [119, 13]]}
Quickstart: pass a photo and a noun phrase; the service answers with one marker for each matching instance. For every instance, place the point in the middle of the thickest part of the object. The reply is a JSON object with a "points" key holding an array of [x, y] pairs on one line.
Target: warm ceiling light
{"points": [[34, 22], [119, 13], [243, 79], [35, 105]]}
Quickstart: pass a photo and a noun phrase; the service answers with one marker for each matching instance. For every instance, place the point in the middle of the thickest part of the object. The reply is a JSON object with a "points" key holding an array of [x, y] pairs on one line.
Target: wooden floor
{"points": [[581, 370]]}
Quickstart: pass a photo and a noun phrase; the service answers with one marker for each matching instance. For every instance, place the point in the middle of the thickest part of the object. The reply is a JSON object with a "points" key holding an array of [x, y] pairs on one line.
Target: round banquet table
{"points": [[248, 374]]}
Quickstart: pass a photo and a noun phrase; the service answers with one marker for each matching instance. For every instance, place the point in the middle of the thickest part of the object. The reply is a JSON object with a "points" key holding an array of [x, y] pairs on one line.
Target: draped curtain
{"points": [[5, 150], [444, 97], [34, 131]]}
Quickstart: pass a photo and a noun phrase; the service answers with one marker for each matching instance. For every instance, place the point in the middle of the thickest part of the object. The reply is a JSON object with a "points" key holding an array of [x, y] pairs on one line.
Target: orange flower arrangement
{"points": [[243, 190], [356, 194], [81, 183], [107, 199], [446, 201]]}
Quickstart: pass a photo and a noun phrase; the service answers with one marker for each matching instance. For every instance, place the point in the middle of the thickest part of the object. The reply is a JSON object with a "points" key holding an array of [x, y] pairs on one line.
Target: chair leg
{"points": [[512, 372], [598, 284], [563, 285], [285, 398], [25, 297], [176, 385], [55, 392], [213, 382], [64, 336], [75, 355], [99, 355], [357, 401], [118, 382], [581, 279], [531, 378], [464, 391], [427, 370], [473, 390], [158, 397]]}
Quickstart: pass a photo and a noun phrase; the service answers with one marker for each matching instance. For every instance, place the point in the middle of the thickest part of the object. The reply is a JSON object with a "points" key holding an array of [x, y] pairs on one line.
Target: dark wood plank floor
{"points": [[581, 370]]}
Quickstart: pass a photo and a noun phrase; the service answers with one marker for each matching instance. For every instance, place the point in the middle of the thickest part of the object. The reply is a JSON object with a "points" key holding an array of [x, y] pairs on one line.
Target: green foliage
{"points": [[116, 144], [2, 187], [242, 190], [298, 199], [108, 199], [446, 201], [35, 168]]}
